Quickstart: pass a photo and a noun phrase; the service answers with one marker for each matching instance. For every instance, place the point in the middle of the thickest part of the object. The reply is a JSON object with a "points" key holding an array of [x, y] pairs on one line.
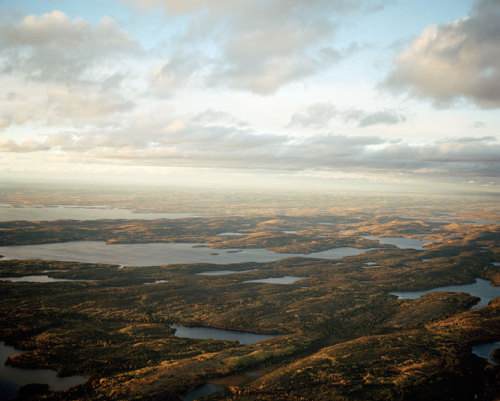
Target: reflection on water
{"points": [[209, 333], [12, 378], [60, 212], [481, 288], [154, 254]]}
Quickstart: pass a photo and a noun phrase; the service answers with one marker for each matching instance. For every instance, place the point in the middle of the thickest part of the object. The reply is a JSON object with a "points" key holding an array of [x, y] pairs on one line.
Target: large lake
{"points": [[481, 288], [155, 254], [12, 378], [44, 213]]}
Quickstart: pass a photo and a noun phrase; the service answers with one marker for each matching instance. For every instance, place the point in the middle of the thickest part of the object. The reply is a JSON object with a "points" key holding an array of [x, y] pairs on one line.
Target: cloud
{"points": [[256, 46], [53, 105], [55, 69], [8, 145], [211, 140], [319, 115], [365, 119], [54, 47], [460, 59]]}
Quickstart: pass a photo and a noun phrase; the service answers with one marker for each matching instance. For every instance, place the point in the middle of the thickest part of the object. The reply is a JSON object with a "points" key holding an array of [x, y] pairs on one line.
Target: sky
{"points": [[360, 94]]}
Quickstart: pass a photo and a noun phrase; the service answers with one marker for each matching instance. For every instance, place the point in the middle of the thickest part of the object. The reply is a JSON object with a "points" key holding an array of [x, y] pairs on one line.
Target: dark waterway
{"points": [[201, 391], [12, 378]]}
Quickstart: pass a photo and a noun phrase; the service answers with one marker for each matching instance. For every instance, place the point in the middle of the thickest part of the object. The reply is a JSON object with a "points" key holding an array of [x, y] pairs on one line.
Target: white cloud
{"points": [[458, 59], [188, 143], [319, 116], [56, 69], [55, 47], [256, 46]]}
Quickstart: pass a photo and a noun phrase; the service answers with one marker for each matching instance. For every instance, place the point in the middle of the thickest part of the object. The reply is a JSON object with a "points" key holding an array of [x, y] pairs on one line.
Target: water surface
{"points": [[277, 280], [12, 378], [61, 212], [223, 272], [481, 288], [154, 254], [400, 242], [35, 279], [201, 391], [485, 351], [209, 333]]}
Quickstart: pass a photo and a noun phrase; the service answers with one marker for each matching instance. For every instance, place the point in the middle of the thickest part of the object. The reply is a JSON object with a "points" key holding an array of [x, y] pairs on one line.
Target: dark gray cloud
{"points": [[460, 59]]}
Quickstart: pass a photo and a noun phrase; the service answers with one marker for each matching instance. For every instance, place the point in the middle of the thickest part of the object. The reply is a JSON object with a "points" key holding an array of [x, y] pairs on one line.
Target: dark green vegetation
{"points": [[343, 337]]}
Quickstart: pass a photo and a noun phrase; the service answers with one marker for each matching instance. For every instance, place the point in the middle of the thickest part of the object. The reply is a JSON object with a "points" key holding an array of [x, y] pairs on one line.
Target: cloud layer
{"points": [[226, 144], [256, 46], [319, 116], [54, 47], [458, 59]]}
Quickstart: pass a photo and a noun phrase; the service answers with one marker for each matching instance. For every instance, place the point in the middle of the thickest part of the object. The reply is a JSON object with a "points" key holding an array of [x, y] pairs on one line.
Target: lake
{"points": [[400, 242], [209, 333], [485, 351], [34, 279], [286, 280], [154, 254], [223, 272], [60, 212], [481, 288], [12, 378]]}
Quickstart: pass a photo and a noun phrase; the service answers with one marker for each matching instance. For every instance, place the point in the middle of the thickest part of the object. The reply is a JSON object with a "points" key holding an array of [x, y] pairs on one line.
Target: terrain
{"points": [[341, 335]]}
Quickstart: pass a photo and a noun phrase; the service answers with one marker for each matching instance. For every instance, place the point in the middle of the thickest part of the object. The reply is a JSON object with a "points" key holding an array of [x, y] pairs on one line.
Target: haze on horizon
{"points": [[242, 93]]}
